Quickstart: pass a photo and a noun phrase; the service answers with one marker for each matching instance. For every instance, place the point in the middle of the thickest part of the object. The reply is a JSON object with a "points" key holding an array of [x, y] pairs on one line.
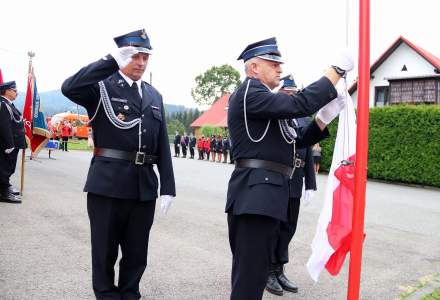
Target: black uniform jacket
{"points": [[177, 139], [192, 142], [307, 173], [11, 133], [259, 191], [114, 177]]}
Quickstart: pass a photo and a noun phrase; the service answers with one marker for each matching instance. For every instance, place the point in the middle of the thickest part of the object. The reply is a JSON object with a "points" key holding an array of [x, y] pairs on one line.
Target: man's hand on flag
{"points": [[332, 109], [343, 61]]}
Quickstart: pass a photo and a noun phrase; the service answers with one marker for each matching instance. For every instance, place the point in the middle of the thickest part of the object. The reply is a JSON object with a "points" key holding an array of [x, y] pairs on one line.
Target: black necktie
{"points": [[134, 86]]}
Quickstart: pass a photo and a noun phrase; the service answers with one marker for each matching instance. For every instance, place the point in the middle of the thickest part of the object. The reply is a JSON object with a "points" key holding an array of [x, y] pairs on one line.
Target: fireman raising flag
{"points": [[37, 133]]}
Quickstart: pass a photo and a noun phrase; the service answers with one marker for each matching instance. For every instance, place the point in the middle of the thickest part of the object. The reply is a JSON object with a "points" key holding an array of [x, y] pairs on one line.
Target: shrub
{"points": [[403, 146]]}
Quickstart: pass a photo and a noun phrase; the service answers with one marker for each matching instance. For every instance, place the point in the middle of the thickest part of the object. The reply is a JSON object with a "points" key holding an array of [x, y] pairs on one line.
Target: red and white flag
{"points": [[333, 233]]}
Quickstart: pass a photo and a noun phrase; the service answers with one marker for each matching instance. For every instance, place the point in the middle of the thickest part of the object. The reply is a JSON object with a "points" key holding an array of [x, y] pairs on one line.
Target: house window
{"points": [[381, 96], [414, 91]]}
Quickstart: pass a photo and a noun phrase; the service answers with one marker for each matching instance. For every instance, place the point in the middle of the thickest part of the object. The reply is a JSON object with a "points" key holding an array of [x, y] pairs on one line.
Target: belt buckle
{"points": [[297, 163], [140, 158]]}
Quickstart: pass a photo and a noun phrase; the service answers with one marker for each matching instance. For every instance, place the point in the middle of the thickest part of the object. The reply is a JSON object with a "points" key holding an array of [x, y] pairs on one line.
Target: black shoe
{"points": [[272, 285], [9, 198], [13, 191], [285, 283]]}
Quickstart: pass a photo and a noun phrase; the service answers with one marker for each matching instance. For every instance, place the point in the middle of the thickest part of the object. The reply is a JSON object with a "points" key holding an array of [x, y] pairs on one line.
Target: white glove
{"points": [[165, 203], [123, 55], [8, 151], [344, 61], [308, 196], [327, 113]]}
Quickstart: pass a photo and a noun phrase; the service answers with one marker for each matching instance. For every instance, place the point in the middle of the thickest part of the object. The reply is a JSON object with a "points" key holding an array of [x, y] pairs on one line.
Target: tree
{"points": [[175, 125], [214, 83], [208, 130]]}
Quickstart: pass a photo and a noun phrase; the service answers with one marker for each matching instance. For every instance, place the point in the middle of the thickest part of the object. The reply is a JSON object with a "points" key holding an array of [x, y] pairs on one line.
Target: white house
{"points": [[404, 73]]}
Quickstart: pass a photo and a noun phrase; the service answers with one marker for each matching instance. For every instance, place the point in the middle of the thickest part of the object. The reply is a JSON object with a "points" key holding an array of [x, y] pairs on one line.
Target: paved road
{"points": [[45, 249]]}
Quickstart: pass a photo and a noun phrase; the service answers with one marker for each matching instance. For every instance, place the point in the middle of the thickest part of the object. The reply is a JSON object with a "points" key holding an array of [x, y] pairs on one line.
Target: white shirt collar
{"points": [[130, 82], [4, 97]]}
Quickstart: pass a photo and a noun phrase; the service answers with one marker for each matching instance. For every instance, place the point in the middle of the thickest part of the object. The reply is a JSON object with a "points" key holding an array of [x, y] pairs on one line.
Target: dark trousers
{"points": [[176, 150], [125, 223], [64, 143], [7, 168], [225, 155], [286, 231], [251, 238], [184, 151], [191, 151], [201, 154]]}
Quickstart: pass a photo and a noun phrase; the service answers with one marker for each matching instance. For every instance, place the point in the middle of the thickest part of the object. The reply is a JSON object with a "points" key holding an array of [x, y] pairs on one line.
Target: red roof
{"points": [[216, 115], [432, 59]]}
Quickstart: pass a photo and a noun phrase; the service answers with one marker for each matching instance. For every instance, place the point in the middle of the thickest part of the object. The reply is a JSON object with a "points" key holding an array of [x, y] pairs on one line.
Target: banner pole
{"points": [[23, 153], [363, 105]]}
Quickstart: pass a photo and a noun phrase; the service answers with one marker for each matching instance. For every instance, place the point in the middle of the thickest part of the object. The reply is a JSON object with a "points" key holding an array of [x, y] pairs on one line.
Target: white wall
{"points": [[404, 55]]}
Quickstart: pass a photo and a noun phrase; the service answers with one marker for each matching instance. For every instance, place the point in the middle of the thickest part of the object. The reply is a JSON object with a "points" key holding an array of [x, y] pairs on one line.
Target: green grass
{"points": [[433, 296], [78, 145]]}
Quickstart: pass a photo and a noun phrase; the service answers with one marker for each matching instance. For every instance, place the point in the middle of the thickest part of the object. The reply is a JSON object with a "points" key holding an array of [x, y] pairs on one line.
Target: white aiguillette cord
{"points": [[111, 116], [291, 141]]}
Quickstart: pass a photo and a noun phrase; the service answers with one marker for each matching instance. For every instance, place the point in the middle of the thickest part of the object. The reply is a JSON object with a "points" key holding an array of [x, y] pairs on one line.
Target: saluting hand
{"points": [[124, 55]]}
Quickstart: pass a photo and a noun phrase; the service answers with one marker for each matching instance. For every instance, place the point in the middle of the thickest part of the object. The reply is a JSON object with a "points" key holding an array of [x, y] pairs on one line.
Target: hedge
{"points": [[404, 144]]}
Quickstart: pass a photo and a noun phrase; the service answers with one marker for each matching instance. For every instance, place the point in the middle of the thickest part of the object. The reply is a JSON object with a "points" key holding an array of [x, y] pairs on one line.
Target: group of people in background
{"points": [[215, 148], [62, 132]]}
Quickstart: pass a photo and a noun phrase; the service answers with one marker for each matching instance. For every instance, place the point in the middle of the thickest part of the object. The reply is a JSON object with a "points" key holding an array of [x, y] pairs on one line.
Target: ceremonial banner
{"points": [[1, 77], [37, 133], [333, 234], [41, 133]]}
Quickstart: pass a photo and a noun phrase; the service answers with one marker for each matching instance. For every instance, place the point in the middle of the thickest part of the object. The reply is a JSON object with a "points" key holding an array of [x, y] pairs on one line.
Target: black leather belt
{"points": [[263, 164], [139, 158]]}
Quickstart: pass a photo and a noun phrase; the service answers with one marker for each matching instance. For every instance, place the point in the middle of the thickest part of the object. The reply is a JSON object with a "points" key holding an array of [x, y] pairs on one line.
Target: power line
{"points": [[14, 51]]}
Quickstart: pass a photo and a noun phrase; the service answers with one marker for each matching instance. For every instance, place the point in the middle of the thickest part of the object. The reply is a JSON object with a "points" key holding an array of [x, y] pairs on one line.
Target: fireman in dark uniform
{"points": [[130, 136], [192, 144], [277, 281], [177, 139], [12, 139], [263, 147]]}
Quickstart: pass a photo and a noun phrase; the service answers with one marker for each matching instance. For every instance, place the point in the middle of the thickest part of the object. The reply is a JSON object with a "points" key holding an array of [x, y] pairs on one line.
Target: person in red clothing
{"points": [[207, 147], [66, 132], [200, 147]]}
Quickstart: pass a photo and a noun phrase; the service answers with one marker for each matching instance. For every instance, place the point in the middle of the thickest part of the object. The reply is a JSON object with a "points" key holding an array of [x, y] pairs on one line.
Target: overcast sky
{"points": [[188, 37]]}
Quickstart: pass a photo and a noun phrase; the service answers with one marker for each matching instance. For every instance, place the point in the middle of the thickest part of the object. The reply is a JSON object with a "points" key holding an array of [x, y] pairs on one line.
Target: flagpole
{"points": [[361, 152]]}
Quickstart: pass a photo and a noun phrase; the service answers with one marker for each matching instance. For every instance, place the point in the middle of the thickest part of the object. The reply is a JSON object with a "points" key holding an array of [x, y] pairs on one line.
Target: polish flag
{"points": [[333, 233]]}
